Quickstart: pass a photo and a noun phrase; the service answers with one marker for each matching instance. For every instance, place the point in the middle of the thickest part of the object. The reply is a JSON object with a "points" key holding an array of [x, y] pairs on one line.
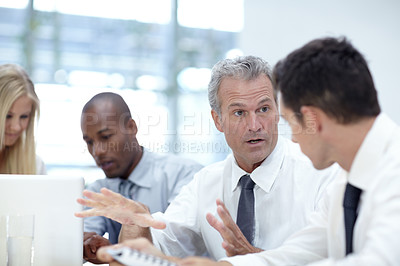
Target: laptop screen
{"points": [[58, 234]]}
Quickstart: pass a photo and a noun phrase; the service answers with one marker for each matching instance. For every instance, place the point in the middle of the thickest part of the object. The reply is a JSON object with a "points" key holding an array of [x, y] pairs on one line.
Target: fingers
{"points": [[104, 256], [89, 203], [94, 200], [228, 222], [101, 197], [225, 215], [158, 224], [87, 235], [141, 244], [101, 203], [88, 253], [97, 200], [146, 220], [91, 244], [217, 225], [118, 208], [226, 233], [220, 203], [113, 197], [234, 241], [227, 226], [88, 213], [230, 249]]}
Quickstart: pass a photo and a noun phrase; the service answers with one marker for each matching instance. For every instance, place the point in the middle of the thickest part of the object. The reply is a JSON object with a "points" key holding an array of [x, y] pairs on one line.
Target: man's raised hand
{"points": [[235, 243], [118, 208]]}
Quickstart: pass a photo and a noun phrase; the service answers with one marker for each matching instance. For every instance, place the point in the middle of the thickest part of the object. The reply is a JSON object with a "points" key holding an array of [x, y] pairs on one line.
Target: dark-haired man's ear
{"points": [[311, 119]]}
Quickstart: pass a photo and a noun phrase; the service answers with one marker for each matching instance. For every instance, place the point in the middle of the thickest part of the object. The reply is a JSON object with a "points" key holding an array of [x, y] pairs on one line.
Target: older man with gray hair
{"points": [[266, 185]]}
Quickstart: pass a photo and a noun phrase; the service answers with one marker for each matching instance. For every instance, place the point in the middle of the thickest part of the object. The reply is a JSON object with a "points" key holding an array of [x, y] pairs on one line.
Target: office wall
{"points": [[272, 29]]}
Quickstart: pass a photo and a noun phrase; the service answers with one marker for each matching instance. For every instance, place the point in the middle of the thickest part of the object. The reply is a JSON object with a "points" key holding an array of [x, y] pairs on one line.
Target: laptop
{"points": [[58, 238]]}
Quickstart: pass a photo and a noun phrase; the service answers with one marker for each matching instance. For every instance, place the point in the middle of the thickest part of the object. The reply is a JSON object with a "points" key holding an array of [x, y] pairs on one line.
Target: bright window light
{"points": [[233, 53], [224, 15], [88, 78], [150, 11], [13, 3], [151, 83], [194, 79]]}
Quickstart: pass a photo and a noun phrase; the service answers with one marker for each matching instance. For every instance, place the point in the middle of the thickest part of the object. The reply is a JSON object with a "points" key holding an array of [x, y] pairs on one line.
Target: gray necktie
{"points": [[245, 215], [350, 204]]}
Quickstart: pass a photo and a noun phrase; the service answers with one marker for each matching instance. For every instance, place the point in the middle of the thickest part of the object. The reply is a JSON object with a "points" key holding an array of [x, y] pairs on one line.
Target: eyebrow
{"points": [[12, 113], [85, 137], [103, 130]]}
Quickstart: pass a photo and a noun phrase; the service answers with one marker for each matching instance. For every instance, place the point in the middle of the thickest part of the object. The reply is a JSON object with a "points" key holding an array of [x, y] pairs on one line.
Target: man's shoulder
{"points": [[170, 157], [172, 166], [110, 183], [217, 166], [387, 139], [162, 159], [214, 170]]}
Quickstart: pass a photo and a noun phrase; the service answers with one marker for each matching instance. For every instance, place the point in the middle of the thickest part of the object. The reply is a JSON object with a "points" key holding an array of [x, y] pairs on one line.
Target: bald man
{"points": [[138, 174]]}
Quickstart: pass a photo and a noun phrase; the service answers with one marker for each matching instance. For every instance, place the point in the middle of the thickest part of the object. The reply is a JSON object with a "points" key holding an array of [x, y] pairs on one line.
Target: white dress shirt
{"points": [[287, 190], [376, 235]]}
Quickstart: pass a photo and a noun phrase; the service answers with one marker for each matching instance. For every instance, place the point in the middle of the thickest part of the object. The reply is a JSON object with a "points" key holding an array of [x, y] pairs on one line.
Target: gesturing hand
{"points": [[235, 243], [118, 208]]}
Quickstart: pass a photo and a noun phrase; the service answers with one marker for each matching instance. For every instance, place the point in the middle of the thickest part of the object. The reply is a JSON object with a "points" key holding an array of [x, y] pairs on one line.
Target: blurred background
{"points": [[158, 54]]}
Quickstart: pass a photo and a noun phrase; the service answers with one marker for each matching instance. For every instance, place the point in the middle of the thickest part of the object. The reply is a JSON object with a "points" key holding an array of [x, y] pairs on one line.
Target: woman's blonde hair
{"points": [[19, 158]]}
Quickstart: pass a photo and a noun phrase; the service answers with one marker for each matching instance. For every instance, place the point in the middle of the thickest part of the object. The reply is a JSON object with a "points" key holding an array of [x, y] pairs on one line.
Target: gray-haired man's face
{"points": [[248, 118]]}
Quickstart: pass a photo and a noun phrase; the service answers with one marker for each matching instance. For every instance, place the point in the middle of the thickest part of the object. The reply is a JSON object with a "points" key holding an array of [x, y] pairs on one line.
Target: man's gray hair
{"points": [[242, 67]]}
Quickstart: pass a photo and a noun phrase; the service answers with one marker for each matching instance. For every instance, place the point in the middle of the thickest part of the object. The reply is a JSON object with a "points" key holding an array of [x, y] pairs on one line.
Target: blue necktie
{"points": [[245, 215], [350, 204]]}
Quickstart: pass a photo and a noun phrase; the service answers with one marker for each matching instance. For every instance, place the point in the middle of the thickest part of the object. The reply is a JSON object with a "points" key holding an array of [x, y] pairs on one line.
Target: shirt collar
{"points": [[140, 172], [371, 151], [265, 175]]}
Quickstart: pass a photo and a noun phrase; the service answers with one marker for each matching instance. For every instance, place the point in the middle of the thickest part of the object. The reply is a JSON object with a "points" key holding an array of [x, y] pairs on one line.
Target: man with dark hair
{"points": [[326, 88], [329, 100], [331, 75], [153, 179]]}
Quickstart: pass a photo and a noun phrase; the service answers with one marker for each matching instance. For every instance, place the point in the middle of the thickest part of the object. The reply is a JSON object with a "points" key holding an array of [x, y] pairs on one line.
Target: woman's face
{"points": [[17, 119]]}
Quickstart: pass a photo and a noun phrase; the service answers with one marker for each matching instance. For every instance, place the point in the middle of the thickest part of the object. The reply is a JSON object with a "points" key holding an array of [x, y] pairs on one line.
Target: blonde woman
{"points": [[19, 107]]}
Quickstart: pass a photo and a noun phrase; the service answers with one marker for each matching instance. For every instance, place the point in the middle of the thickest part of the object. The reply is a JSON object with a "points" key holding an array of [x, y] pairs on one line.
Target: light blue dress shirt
{"points": [[155, 182]]}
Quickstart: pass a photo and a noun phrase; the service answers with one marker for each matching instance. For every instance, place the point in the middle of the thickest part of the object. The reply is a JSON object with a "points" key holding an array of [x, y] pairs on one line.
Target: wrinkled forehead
{"points": [[241, 89]]}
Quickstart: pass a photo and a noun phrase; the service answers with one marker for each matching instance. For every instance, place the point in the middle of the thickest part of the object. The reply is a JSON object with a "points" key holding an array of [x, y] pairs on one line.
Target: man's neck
{"points": [[348, 141]]}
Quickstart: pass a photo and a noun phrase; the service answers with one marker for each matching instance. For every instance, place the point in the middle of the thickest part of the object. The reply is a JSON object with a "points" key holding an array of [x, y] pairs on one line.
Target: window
{"points": [[73, 51]]}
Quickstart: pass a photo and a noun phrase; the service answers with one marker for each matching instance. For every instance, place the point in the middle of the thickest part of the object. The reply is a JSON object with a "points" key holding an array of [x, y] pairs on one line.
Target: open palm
{"points": [[118, 208]]}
